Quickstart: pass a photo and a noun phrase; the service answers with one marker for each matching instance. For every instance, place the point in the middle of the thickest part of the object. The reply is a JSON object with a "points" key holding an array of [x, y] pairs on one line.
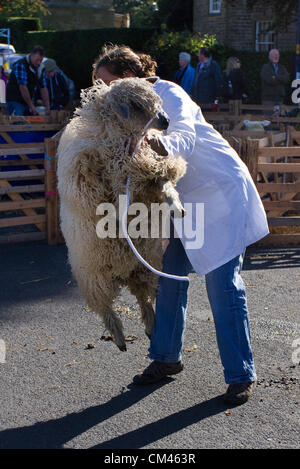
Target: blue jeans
{"points": [[227, 297], [18, 109]]}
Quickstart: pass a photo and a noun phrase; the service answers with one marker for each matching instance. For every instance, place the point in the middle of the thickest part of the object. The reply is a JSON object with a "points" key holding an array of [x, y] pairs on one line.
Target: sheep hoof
{"points": [[178, 211], [123, 348]]}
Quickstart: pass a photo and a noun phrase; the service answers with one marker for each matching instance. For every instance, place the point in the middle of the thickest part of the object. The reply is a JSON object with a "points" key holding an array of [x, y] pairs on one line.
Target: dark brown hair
{"points": [[120, 59], [38, 50], [205, 51]]}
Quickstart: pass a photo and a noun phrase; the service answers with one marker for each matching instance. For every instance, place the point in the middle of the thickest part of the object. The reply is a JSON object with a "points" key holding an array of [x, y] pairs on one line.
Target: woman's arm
{"points": [[181, 135], [243, 85]]}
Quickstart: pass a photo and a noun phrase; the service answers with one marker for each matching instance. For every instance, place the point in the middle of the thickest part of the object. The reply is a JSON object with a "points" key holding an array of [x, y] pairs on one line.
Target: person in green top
{"points": [[274, 77]]}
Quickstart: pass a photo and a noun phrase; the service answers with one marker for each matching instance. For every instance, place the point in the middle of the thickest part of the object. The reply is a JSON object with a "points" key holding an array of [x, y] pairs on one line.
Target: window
{"points": [[215, 6], [265, 37]]}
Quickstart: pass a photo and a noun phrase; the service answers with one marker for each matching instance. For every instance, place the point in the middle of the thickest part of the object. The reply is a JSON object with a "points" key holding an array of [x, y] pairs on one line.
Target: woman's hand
{"points": [[157, 146], [154, 143]]}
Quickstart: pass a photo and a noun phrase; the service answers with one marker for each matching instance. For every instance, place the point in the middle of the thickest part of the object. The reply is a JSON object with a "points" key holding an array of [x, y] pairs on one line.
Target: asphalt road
{"points": [[62, 386]]}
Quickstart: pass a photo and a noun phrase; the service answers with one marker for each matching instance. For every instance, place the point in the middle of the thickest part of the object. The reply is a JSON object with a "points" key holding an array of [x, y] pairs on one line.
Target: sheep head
{"points": [[126, 107], [136, 103]]}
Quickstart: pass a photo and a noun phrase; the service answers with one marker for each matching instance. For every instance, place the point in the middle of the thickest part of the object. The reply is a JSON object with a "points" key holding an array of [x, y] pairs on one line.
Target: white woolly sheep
{"points": [[93, 167]]}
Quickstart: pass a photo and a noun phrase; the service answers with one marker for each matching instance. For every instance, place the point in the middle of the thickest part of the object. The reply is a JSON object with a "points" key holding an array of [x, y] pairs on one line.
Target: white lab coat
{"points": [[234, 216]]}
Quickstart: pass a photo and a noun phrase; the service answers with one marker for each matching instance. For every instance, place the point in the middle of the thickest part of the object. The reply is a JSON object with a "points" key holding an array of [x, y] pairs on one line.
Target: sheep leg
{"points": [[172, 198], [145, 296], [100, 294], [115, 327]]}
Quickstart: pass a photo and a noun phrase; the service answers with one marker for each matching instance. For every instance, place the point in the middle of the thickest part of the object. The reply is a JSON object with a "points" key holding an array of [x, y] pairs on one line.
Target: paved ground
{"points": [[56, 392]]}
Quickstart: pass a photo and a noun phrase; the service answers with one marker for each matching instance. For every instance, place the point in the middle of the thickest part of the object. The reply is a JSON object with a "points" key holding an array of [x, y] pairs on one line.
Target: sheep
{"points": [[93, 166]]}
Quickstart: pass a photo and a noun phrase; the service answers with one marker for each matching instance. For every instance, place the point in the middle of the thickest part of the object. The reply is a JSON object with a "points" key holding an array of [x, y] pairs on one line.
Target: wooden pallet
{"points": [[276, 173], [54, 234], [25, 205]]}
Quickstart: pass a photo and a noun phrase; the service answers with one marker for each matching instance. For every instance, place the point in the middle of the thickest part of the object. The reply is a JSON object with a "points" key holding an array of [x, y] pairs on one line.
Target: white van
{"points": [[6, 49]]}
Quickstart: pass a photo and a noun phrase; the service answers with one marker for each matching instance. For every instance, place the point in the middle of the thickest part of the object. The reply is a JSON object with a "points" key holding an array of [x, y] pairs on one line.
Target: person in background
{"points": [[208, 80], [186, 73], [57, 86], [23, 82], [274, 77], [234, 86]]}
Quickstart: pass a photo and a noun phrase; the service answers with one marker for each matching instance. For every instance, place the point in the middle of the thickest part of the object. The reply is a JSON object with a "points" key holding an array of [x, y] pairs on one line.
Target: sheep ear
{"points": [[123, 111]]}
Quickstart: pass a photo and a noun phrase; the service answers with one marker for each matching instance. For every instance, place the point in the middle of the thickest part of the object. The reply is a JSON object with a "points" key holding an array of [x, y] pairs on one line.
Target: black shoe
{"points": [[239, 393], [157, 371]]}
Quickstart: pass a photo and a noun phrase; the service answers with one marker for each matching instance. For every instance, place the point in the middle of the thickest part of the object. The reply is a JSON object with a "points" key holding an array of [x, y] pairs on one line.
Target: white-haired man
{"points": [[274, 77], [186, 73]]}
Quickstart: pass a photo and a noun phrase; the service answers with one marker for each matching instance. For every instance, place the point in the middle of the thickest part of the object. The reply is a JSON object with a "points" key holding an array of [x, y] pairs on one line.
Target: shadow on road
{"points": [[166, 426], [55, 433], [33, 271]]}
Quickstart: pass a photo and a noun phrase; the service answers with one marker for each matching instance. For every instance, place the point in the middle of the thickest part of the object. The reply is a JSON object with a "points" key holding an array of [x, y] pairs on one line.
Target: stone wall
{"points": [[287, 40], [76, 14], [205, 22], [236, 25]]}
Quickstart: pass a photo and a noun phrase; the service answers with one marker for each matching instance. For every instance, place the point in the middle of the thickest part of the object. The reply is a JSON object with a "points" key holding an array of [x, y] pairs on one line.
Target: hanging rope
{"points": [[124, 222]]}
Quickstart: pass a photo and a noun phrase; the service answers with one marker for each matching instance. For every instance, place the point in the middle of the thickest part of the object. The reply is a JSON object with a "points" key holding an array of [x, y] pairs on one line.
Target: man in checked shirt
{"points": [[23, 82]]}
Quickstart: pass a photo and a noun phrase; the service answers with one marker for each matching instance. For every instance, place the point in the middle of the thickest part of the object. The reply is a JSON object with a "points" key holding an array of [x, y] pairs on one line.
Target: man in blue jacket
{"points": [[208, 79]]}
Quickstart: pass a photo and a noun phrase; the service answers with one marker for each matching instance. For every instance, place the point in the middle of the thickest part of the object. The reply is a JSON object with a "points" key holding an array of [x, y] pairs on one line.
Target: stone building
{"points": [[82, 14], [243, 29]]}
